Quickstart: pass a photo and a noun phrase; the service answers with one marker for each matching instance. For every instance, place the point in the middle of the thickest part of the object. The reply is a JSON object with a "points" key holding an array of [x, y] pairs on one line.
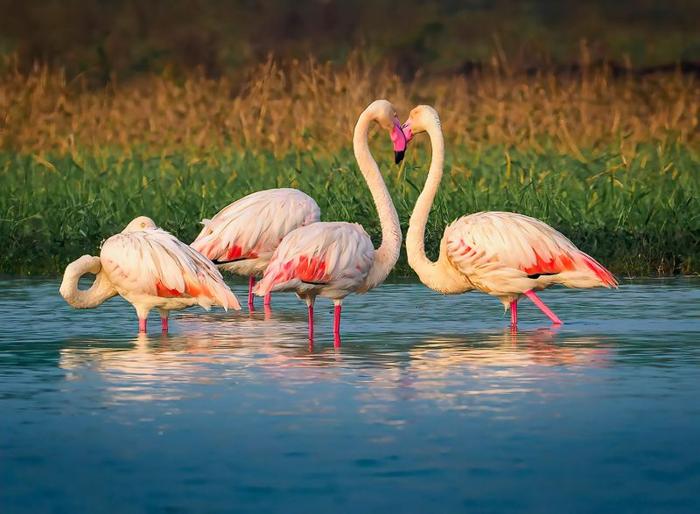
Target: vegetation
{"points": [[639, 216], [610, 161], [307, 106]]}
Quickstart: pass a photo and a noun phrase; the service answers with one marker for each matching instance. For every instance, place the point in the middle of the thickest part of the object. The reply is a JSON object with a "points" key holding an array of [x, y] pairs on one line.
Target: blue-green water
{"points": [[430, 405]]}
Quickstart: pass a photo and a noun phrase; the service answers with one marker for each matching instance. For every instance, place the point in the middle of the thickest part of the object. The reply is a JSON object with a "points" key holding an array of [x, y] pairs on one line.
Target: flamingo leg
{"points": [[251, 297], [164, 322], [514, 313], [142, 325], [311, 323], [268, 300], [540, 304], [336, 325]]}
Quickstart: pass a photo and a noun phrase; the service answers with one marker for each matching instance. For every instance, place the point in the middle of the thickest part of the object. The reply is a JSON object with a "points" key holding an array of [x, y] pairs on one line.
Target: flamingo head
{"points": [[420, 118], [138, 224], [384, 113]]}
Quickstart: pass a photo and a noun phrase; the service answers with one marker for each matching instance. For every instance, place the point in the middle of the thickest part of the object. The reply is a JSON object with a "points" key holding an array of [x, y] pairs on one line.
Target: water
{"points": [[431, 405]]}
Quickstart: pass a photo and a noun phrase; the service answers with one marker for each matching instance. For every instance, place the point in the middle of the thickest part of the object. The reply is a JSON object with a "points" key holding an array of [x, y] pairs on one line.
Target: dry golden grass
{"points": [[303, 106]]}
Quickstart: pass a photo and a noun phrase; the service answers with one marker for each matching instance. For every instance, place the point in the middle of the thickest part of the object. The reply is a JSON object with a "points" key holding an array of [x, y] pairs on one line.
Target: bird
{"points": [[150, 268], [242, 237], [334, 259], [504, 254]]}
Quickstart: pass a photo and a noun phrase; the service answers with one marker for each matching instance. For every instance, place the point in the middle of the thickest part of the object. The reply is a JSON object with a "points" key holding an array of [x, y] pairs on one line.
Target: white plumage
{"points": [[150, 268], [506, 254], [242, 237], [329, 259]]}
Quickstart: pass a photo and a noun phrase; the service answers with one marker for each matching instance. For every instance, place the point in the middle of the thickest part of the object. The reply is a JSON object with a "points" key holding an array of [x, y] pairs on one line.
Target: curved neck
{"points": [[100, 291], [388, 252], [415, 244]]}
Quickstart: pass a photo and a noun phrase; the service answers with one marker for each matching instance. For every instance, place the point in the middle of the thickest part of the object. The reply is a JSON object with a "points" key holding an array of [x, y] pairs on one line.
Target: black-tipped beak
{"points": [[398, 156]]}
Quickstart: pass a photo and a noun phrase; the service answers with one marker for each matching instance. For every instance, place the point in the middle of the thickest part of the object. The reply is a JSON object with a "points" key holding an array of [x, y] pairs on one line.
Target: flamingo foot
{"points": [[251, 297], [514, 313], [540, 304], [142, 325], [336, 326], [268, 300]]}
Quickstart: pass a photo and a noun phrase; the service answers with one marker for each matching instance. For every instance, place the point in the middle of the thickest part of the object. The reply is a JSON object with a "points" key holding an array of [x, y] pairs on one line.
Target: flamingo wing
{"points": [[505, 251], [253, 226], [156, 263], [337, 255]]}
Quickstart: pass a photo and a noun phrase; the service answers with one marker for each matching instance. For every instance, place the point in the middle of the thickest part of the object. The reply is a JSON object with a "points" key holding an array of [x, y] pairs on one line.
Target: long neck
{"points": [[100, 291], [388, 252], [415, 244]]}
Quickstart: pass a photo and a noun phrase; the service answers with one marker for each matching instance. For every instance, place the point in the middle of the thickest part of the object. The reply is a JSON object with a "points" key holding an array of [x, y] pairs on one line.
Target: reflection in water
{"points": [[213, 348]]}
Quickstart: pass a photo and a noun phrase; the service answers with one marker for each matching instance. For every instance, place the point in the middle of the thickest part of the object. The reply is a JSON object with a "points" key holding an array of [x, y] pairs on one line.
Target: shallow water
{"points": [[430, 405]]}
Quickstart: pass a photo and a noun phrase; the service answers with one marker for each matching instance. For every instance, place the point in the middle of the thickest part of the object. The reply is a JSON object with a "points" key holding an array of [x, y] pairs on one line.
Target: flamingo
{"points": [[241, 237], [334, 259], [505, 254], [150, 268]]}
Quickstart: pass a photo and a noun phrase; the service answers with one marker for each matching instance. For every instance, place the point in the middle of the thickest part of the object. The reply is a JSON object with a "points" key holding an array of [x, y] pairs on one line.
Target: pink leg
{"points": [[336, 326], [164, 323], [514, 313], [142, 325], [311, 324], [268, 300], [540, 304], [251, 297]]}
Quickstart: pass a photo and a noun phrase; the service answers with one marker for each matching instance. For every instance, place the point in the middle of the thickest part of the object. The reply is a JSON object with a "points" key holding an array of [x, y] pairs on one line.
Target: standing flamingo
{"points": [[242, 236], [504, 254], [334, 259], [149, 268]]}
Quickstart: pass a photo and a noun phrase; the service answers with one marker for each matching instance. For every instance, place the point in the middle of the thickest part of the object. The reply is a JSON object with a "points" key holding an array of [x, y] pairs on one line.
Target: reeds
{"points": [[307, 106], [610, 161]]}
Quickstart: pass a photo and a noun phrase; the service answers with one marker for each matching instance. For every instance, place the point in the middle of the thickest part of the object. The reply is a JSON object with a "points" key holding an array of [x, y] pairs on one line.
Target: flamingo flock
{"points": [[276, 236]]}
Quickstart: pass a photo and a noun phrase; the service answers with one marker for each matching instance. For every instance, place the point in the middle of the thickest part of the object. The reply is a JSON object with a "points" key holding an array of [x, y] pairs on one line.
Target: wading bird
{"points": [[504, 254], [151, 269], [242, 237], [334, 259]]}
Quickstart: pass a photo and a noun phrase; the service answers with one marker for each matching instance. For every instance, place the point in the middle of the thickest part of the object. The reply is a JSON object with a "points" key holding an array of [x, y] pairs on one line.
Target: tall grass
{"points": [[307, 106], [638, 216], [611, 162]]}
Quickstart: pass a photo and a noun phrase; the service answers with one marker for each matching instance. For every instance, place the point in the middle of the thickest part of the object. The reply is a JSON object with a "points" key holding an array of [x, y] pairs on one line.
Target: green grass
{"points": [[639, 216]]}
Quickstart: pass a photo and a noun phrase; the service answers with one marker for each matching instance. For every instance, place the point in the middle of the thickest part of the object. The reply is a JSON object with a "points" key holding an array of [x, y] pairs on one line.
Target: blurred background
{"points": [[126, 37]]}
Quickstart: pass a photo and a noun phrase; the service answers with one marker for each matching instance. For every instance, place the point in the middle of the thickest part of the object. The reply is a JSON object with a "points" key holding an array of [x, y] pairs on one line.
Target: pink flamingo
{"points": [[334, 259], [149, 268], [504, 254], [241, 237]]}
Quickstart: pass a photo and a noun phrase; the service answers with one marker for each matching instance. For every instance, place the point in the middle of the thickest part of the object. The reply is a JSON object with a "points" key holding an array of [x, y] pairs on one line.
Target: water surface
{"points": [[430, 405]]}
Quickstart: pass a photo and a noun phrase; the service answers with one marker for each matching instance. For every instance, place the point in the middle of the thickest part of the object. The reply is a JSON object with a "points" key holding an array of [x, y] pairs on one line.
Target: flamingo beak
{"points": [[407, 132], [399, 141]]}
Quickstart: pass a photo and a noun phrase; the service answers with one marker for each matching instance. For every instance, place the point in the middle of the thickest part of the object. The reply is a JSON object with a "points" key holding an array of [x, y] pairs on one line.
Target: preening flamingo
{"points": [[334, 259], [504, 254], [242, 237], [150, 268]]}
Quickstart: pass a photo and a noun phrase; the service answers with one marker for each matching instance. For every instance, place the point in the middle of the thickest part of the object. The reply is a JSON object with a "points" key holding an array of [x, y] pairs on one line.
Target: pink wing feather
{"points": [[154, 262], [253, 226], [489, 243], [335, 254]]}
